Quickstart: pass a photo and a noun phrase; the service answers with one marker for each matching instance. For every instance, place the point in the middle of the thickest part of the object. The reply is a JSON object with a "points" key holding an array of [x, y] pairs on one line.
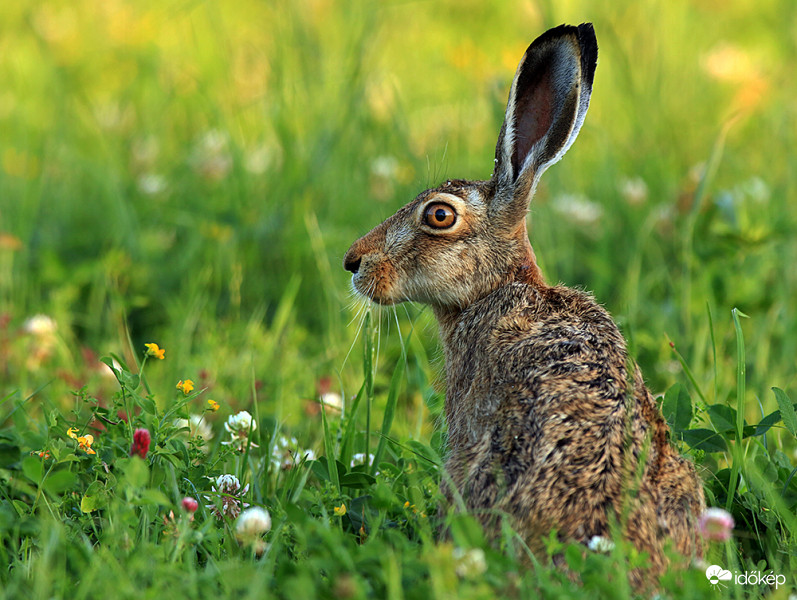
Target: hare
{"points": [[549, 421]]}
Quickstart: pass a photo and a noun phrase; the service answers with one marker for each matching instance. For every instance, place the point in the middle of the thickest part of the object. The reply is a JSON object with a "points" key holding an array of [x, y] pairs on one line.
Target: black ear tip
{"points": [[589, 50]]}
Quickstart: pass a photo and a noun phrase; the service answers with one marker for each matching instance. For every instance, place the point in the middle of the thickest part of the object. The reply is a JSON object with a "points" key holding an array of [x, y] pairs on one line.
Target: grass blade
{"points": [[390, 408], [737, 456]]}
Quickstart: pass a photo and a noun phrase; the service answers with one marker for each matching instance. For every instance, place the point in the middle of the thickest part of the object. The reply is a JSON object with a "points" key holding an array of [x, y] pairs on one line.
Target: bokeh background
{"points": [[191, 173]]}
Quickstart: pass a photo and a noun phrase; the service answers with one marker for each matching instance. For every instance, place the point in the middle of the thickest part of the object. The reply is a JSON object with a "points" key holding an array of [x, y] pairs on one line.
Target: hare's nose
{"points": [[350, 263]]}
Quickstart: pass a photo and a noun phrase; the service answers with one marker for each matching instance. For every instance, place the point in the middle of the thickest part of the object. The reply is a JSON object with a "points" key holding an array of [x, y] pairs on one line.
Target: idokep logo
{"points": [[717, 575]]}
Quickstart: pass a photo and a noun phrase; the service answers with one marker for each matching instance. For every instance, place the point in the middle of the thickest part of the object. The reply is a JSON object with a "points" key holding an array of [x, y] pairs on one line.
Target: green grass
{"points": [[191, 174]]}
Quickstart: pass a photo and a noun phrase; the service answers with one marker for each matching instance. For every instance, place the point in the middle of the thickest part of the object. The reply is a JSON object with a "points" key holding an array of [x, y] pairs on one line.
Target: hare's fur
{"points": [[549, 422]]}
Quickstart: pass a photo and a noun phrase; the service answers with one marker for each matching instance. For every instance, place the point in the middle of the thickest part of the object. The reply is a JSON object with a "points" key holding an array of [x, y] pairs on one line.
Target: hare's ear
{"points": [[547, 105]]}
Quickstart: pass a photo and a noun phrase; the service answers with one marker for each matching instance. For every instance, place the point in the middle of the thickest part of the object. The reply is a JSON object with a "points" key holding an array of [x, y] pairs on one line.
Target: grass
{"points": [[191, 174]]}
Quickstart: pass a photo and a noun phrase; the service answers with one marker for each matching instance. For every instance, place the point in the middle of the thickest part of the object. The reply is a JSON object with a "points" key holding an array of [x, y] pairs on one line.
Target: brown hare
{"points": [[549, 421]]}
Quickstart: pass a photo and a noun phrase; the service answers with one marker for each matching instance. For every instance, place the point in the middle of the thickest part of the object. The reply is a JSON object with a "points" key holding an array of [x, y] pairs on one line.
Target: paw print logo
{"points": [[716, 574]]}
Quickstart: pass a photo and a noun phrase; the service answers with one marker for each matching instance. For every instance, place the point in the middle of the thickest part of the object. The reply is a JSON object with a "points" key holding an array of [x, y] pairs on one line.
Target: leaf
{"points": [[146, 404], [357, 480], [33, 468], [425, 452], [677, 407], [96, 497], [319, 468], [723, 417], [787, 412], [9, 454], [136, 471], [152, 496], [767, 423], [704, 439], [125, 378], [466, 531], [60, 481], [574, 555]]}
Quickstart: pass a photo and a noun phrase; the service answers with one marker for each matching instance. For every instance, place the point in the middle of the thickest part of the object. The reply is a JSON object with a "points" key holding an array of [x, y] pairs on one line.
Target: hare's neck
{"points": [[463, 430], [525, 268]]}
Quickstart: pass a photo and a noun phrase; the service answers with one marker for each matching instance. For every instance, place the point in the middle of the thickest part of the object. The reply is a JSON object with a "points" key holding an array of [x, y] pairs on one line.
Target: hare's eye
{"points": [[440, 216]]}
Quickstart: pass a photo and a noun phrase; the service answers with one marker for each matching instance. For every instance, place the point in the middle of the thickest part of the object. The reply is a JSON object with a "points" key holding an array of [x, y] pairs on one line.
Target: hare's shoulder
{"points": [[554, 321]]}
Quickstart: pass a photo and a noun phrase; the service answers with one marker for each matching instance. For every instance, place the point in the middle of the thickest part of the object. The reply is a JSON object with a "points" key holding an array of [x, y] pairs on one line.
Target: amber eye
{"points": [[440, 216]]}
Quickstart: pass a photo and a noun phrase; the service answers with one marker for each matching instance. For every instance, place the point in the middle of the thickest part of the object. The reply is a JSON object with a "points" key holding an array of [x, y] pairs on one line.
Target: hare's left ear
{"points": [[547, 105]]}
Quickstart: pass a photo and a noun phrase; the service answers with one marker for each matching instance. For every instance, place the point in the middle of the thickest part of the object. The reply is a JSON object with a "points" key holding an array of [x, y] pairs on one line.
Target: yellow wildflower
{"points": [[340, 510], [154, 350], [85, 443], [185, 386], [214, 406]]}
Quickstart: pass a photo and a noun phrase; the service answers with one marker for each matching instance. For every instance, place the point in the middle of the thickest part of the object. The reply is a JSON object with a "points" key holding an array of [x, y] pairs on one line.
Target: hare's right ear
{"points": [[547, 105]]}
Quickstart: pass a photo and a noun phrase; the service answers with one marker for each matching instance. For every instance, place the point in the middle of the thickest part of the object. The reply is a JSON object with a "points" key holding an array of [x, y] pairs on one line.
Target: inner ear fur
{"points": [[546, 108]]}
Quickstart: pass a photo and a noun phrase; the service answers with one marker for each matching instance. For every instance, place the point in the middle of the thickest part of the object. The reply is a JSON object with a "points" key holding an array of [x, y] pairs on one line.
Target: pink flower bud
{"points": [[141, 440], [716, 524], [189, 504]]}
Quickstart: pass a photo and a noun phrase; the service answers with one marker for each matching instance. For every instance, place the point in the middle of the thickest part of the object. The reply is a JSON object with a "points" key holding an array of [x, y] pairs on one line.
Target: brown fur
{"points": [[545, 422]]}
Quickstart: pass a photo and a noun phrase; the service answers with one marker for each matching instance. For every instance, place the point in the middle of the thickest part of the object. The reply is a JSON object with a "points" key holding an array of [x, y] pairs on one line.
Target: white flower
{"points": [[332, 401], [252, 523], [250, 527], [716, 524], [151, 184], [634, 190], [211, 156], [470, 562], [41, 326], [598, 543], [359, 459], [228, 492], [578, 209], [197, 427], [239, 425], [241, 421], [285, 453], [385, 166]]}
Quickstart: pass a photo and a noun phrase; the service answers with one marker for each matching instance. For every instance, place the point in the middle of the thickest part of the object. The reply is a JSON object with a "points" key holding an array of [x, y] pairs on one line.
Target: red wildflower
{"points": [[141, 440]]}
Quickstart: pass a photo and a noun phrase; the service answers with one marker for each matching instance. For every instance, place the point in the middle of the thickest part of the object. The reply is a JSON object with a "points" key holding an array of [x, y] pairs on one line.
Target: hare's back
{"points": [[541, 336]]}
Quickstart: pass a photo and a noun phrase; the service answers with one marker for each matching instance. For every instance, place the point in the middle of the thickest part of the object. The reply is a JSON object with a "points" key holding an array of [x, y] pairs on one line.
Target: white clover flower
{"points": [[197, 427], [151, 184], [251, 526], [359, 459], [332, 401], [634, 190], [716, 524], [41, 326], [598, 543], [469, 563], [239, 425], [578, 209], [285, 453], [252, 523], [211, 156], [241, 421], [228, 493], [385, 166]]}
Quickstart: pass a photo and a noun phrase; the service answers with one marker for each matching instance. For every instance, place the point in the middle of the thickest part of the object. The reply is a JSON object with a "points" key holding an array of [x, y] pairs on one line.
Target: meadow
{"points": [[186, 176]]}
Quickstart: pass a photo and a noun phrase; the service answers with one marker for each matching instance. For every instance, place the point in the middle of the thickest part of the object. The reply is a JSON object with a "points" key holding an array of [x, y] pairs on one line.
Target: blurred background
{"points": [[191, 173]]}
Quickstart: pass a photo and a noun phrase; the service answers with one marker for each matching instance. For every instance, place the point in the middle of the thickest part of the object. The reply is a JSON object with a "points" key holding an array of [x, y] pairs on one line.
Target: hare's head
{"points": [[462, 240]]}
